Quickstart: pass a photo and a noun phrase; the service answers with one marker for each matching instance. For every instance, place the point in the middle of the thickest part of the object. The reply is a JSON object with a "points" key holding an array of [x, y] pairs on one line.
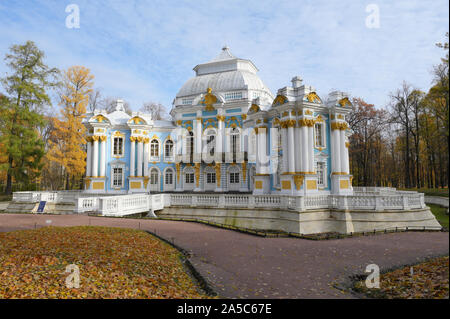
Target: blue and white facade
{"points": [[229, 133]]}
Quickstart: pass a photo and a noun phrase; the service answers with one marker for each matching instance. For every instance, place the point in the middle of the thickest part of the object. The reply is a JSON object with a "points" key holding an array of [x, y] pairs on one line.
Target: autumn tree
{"points": [[21, 112], [68, 137]]}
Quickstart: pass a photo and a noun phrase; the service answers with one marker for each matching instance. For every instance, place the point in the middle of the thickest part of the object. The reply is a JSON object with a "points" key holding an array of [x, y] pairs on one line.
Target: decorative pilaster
{"points": [[291, 147], [146, 141], [89, 156], [95, 156], [140, 149], [132, 155], [102, 156], [219, 138]]}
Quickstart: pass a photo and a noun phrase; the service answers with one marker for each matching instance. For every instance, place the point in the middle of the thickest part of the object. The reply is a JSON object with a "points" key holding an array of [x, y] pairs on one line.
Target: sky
{"points": [[145, 50]]}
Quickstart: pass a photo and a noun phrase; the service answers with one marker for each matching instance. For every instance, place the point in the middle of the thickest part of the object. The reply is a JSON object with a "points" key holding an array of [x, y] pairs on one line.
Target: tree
{"points": [[157, 110], [109, 104], [21, 112], [68, 137]]}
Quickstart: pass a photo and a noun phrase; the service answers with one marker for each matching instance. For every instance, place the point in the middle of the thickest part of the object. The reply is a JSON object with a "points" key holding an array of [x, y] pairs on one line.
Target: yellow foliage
{"points": [[69, 133]]}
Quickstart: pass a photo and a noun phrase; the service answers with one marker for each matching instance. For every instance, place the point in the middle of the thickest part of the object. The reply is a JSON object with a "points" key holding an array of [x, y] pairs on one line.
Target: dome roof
{"points": [[222, 74], [222, 82]]}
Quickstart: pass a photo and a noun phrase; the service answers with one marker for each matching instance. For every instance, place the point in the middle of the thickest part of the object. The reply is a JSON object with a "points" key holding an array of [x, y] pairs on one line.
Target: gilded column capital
{"points": [[146, 140], [133, 138], [95, 137], [221, 118], [102, 138], [140, 139]]}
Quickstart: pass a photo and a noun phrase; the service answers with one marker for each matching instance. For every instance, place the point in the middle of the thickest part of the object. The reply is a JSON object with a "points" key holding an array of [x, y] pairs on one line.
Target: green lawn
{"points": [[429, 191], [439, 213]]}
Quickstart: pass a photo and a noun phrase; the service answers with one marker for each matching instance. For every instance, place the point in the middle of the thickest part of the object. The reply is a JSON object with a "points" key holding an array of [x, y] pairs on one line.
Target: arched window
{"points": [[154, 148], [235, 139], [168, 149], [210, 142], [168, 178], [154, 176]]}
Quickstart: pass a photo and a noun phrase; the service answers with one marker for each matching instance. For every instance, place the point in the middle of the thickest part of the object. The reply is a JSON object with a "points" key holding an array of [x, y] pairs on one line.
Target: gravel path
{"points": [[238, 265]]}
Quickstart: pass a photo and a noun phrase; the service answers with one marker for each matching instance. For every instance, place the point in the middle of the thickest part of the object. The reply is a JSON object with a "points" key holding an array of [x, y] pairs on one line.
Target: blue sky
{"points": [[145, 50]]}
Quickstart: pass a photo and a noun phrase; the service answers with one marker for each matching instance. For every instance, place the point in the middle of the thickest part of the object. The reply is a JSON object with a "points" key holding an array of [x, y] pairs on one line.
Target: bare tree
{"points": [[157, 110], [109, 104], [95, 100]]}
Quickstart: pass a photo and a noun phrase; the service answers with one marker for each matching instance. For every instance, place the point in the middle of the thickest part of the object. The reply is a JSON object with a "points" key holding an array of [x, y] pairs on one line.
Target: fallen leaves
{"points": [[428, 280], [113, 263]]}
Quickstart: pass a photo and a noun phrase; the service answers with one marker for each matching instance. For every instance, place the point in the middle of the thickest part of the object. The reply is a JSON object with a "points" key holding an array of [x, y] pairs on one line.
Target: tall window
{"points": [[234, 142], [168, 179], [211, 178], [154, 148], [234, 178], [117, 177], [318, 128], [320, 168], [118, 146], [189, 178], [210, 142], [168, 150], [154, 176]]}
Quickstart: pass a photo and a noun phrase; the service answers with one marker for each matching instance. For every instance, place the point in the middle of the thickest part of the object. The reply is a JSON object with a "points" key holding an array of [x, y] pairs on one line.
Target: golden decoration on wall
{"points": [[279, 100], [340, 116], [308, 112], [306, 122], [319, 118], [88, 182], [133, 138], [100, 118], [344, 184], [221, 118], [179, 122], [217, 168], [118, 134], [244, 116], [139, 139], [285, 114], [146, 178], [209, 100], [102, 138], [197, 173], [276, 122], [347, 144], [146, 140], [298, 181], [313, 98], [254, 108], [311, 184], [286, 184], [244, 170], [339, 126], [344, 102], [95, 138], [258, 184], [290, 123], [332, 116]]}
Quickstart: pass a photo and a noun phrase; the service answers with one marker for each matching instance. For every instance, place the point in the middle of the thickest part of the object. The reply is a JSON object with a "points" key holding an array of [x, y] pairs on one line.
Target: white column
{"points": [[344, 153], [103, 157], [198, 139], [298, 148], [146, 157], [89, 157], [291, 148], [95, 158], [140, 158], [132, 155], [285, 147], [219, 139], [258, 150], [311, 167], [335, 148], [305, 149], [264, 157]]}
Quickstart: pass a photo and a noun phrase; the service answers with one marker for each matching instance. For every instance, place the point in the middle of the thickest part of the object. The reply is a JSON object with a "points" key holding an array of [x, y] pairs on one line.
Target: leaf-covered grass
{"points": [[439, 213], [428, 280], [5, 198], [429, 191], [113, 263]]}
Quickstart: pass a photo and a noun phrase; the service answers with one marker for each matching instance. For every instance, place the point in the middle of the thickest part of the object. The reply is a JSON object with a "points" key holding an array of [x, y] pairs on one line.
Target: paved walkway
{"points": [[238, 265]]}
